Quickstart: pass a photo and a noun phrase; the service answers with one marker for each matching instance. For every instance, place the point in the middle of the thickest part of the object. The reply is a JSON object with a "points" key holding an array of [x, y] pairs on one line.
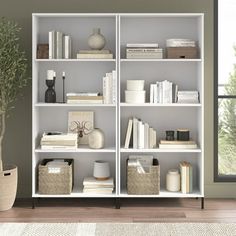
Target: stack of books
{"points": [[109, 88], [84, 98], [59, 45], [186, 175], [94, 186], [140, 135], [176, 144], [54, 140], [188, 97], [163, 92], [143, 51], [95, 54]]}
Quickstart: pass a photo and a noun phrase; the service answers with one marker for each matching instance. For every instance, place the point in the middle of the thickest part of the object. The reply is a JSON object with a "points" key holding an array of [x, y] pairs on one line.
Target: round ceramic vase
{"points": [[101, 170], [173, 180], [96, 41], [96, 139]]}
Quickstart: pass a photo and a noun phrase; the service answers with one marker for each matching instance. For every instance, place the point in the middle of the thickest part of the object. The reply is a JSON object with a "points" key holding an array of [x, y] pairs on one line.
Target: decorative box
{"points": [[182, 52], [57, 180], [143, 183], [135, 85]]}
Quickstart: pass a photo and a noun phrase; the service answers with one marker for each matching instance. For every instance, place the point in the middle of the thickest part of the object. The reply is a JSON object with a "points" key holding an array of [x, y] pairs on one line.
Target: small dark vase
{"points": [[50, 94]]}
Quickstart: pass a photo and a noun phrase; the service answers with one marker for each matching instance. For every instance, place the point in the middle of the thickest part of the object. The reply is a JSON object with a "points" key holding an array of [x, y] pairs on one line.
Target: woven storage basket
{"points": [[143, 183], [55, 183]]}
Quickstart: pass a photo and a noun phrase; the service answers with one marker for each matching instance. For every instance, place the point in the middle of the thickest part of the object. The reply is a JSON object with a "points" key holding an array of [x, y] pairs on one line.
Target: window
{"points": [[225, 91]]}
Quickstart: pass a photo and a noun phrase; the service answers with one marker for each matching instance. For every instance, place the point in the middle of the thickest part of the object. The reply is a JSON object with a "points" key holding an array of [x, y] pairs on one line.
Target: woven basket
{"points": [[143, 183], [55, 183]]}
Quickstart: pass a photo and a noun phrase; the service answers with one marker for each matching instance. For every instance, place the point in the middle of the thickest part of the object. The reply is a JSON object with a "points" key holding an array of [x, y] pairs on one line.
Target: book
{"points": [[88, 181], [152, 93], [94, 56], [135, 133], [177, 146], [177, 142], [85, 97], [142, 45], [183, 169], [52, 44], [132, 55], [83, 94], [146, 135], [128, 133], [114, 86], [104, 51], [140, 135], [67, 47], [59, 44], [73, 101], [144, 50]]}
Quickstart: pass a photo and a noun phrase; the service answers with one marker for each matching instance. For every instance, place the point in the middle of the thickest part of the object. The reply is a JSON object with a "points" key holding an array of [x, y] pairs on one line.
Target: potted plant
{"points": [[13, 66]]}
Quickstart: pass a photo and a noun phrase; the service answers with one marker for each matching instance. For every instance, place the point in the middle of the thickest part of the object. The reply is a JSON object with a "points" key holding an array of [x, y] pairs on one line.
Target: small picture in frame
{"points": [[82, 123]]}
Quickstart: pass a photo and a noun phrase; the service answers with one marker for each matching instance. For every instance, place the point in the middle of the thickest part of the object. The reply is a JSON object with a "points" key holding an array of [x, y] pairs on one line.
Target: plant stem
{"points": [[3, 128]]}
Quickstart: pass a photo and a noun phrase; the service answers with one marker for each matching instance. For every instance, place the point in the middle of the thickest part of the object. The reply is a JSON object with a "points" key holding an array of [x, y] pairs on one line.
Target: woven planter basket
{"points": [[143, 183], [55, 183], [8, 187]]}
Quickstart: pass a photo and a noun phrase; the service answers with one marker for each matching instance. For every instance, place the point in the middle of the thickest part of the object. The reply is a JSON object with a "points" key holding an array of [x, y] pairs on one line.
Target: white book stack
{"points": [[59, 45], [109, 88], [95, 54], [143, 51], [140, 135], [176, 144], [180, 43], [59, 140], [163, 92], [188, 97], [95, 186], [186, 175]]}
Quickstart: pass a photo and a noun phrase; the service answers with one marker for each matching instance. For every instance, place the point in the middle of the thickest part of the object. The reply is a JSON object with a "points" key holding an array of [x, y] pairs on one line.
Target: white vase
{"points": [[101, 170], [96, 41], [173, 180], [96, 139]]}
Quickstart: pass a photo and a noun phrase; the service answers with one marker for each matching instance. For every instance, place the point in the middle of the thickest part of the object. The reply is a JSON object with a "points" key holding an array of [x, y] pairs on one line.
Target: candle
{"points": [[50, 74]]}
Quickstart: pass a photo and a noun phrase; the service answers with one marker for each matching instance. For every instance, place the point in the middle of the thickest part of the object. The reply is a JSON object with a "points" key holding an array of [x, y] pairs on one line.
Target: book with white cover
{"points": [[114, 86], [83, 94], [74, 101], [135, 133], [152, 93], [177, 146], [132, 55], [140, 135], [146, 135], [67, 47], [144, 50], [142, 45], [104, 51], [59, 43], [98, 191], [94, 56], [109, 88], [88, 181], [155, 94], [128, 133], [151, 141], [52, 44], [154, 133]]}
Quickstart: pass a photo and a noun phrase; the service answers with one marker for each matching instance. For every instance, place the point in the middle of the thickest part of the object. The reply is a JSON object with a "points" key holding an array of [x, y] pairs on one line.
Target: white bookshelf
{"points": [[86, 75]]}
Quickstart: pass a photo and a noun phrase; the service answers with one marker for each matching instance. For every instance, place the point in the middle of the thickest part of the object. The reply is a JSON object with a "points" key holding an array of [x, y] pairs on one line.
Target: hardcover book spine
{"points": [[114, 88], [52, 44], [59, 45], [67, 47]]}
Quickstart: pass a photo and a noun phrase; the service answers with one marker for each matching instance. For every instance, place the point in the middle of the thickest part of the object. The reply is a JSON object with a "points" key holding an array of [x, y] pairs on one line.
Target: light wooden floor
{"points": [[132, 210]]}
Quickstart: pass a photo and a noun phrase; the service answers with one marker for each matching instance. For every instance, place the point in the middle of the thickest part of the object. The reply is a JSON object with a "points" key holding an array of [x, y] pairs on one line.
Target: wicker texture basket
{"points": [[55, 183], [143, 183]]}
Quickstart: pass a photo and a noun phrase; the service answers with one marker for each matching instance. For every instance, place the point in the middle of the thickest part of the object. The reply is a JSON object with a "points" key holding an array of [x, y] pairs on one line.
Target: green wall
{"points": [[17, 144]]}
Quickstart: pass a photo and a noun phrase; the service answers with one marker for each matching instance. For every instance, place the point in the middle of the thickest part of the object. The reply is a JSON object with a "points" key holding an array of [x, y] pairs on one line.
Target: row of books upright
{"points": [[186, 175], [163, 92], [59, 45], [140, 135]]}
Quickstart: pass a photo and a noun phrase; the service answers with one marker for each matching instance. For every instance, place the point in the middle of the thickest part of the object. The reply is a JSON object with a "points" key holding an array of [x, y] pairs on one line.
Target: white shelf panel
{"points": [[154, 150], [123, 104], [76, 193], [75, 60], [164, 194], [160, 60], [72, 105], [78, 150]]}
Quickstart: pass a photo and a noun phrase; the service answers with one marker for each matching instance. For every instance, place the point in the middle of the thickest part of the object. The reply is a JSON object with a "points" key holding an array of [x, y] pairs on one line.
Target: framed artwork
{"points": [[82, 123]]}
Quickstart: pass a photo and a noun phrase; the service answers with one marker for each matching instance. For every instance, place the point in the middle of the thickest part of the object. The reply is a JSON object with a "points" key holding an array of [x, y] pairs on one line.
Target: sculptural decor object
{"points": [[96, 41], [96, 139]]}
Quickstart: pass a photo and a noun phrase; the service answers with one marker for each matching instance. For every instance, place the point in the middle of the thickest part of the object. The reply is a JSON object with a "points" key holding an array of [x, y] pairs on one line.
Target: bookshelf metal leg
{"points": [[202, 202], [117, 203], [33, 203]]}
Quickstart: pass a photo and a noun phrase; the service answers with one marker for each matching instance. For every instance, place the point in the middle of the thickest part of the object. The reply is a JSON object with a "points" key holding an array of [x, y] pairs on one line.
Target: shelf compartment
{"points": [[158, 150], [123, 104], [41, 104], [83, 149]]}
